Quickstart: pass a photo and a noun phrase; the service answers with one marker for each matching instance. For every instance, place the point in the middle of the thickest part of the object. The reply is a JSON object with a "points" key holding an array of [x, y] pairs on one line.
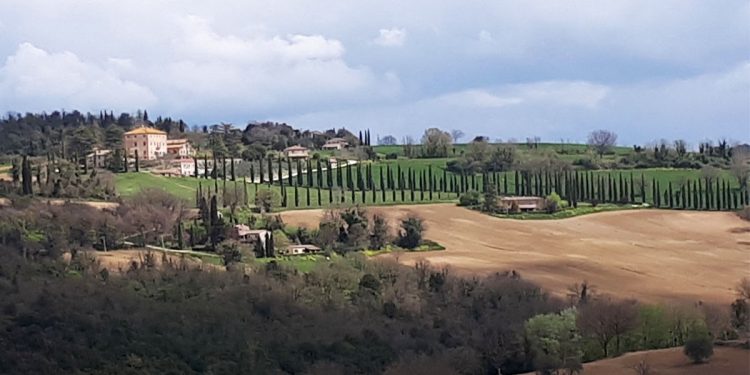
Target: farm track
{"points": [[651, 255]]}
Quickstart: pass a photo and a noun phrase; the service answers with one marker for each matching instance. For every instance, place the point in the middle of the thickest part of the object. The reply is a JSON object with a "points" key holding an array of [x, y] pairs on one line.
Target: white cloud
{"points": [[393, 37], [34, 79], [485, 37], [553, 93], [261, 73]]}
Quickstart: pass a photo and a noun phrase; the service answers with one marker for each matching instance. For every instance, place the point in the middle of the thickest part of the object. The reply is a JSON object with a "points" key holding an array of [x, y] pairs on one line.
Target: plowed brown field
{"points": [[651, 255]]}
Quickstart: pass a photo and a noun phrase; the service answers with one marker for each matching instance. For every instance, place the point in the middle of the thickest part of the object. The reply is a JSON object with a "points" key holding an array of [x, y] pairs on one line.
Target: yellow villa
{"points": [[149, 142]]}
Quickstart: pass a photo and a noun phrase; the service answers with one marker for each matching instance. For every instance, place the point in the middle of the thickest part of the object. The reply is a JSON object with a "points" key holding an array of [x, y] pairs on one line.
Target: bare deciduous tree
{"points": [[605, 320], [740, 166], [457, 134], [602, 141]]}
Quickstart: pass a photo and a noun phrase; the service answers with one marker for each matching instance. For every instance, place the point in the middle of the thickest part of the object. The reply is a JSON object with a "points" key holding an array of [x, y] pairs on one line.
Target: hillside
{"points": [[651, 255]]}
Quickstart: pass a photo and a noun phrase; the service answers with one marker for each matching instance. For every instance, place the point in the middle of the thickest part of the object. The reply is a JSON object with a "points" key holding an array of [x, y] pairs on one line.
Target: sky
{"points": [[647, 70]]}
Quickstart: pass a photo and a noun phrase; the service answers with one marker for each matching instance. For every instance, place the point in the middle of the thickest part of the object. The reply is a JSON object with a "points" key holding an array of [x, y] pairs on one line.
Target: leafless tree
{"points": [[457, 134], [408, 143], [710, 173], [602, 141], [605, 320], [740, 166]]}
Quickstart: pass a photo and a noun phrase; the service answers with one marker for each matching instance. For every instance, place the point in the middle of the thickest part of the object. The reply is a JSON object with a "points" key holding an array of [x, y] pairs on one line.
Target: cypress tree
{"points": [[26, 185], [270, 170], [382, 184], [429, 180], [252, 172], [421, 186], [671, 202], [260, 170], [697, 204], [320, 197], [296, 196], [309, 173], [401, 183], [682, 197], [289, 173], [300, 174], [180, 238], [246, 196], [719, 204], [137, 162], [280, 176], [224, 167], [319, 167], [215, 170], [706, 195]]}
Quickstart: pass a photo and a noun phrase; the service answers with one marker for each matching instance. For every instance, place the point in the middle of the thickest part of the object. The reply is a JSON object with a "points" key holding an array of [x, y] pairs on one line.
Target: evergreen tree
{"points": [[26, 184], [205, 166], [671, 201], [252, 172], [270, 170], [137, 162], [490, 197], [180, 237], [223, 167]]}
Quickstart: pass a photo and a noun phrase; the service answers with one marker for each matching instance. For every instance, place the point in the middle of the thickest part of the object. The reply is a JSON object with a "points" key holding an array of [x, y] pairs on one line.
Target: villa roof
{"points": [[176, 141], [336, 140], [145, 131], [296, 148]]}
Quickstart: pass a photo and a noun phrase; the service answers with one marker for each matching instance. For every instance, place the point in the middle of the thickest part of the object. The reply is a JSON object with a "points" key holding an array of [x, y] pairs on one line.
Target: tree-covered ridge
{"points": [[68, 133]]}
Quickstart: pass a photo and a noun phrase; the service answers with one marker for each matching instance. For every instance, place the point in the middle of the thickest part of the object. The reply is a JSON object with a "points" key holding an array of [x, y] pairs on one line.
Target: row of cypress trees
{"points": [[364, 182]]}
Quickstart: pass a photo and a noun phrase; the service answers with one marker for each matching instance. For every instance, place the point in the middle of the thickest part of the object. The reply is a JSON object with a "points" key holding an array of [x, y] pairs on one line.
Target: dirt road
{"points": [[652, 255]]}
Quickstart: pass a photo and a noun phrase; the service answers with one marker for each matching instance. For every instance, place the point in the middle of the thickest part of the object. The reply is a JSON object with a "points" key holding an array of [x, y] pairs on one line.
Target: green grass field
{"points": [[303, 263], [185, 188]]}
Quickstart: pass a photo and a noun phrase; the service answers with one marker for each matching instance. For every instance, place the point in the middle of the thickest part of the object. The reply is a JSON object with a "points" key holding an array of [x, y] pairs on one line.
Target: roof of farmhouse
{"points": [[145, 131]]}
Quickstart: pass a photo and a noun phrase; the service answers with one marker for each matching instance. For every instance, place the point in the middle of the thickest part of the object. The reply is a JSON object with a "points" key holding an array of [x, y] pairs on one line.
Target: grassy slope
{"points": [[185, 187]]}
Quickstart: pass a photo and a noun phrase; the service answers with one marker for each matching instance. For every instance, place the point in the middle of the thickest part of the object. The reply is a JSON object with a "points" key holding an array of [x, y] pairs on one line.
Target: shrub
{"points": [[391, 156], [699, 347], [553, 203], [470, 198], [267, 199], [411, 232], [586, 163]]}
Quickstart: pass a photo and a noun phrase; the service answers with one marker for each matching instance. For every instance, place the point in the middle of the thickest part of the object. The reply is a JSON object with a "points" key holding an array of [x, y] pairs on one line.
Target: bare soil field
{"points": [[651, 255], [725, 361], [119, 260]]}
